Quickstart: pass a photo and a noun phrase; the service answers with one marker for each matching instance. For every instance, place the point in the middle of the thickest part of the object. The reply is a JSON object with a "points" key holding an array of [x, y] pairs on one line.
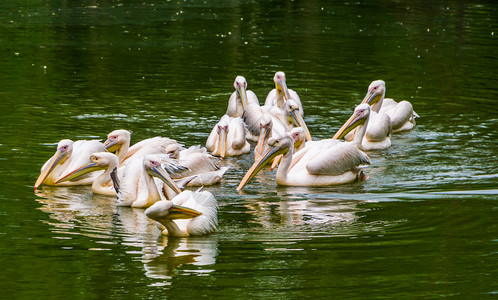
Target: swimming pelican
{"points": [[228, 138], [241, 98], [198, 162], [365, 136], [135, 185], [119, 141], [376, 130], [281, 93], [401, 114], [189, 213], [67, 158], [320, 163]]}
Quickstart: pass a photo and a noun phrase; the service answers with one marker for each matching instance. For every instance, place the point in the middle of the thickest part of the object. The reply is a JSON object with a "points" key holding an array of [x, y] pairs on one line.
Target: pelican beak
{"points": [[300, 122], [182, 212], [223, 142], [282, 87], [241, 90], [111, 146], [56, 159], [271, 152], [276, 161], [353, 122], [161, 173], [263, 136], [80, 171], [371, 98]]}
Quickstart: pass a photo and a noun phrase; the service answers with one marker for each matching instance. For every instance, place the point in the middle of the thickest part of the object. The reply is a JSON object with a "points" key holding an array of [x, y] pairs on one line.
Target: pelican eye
{"points": [[154, 163]]}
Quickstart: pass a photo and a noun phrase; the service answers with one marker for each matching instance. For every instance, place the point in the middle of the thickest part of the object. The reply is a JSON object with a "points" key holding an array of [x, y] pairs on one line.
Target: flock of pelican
{"points": [[153, 173]]}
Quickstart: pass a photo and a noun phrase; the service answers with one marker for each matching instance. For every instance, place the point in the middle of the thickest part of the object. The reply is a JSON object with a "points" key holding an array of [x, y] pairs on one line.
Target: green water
{"points": [[422, 226]]}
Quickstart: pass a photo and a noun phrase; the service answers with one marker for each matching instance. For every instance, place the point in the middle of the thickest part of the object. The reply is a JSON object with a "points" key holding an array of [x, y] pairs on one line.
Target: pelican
{"points": [[401, 114], [119, 141], [67, 158], [241, 98], [281, 93], [135, 185], [319, 163], [228, 138], [189, 213], [363, 133], [374, 134], [198, 162]]}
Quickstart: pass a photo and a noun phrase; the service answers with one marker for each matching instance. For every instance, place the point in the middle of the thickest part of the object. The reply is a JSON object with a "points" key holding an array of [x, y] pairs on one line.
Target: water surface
{"points": [[422, 226]]}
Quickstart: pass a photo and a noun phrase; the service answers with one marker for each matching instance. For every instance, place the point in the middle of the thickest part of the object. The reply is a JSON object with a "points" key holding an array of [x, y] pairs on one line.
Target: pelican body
{"points": [[189, 213], [319, 163], [228, 138]]}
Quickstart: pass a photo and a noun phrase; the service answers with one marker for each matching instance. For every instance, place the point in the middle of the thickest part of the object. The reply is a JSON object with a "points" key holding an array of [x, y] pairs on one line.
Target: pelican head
{"points": [[163, 211], [222, 129], [64, 149], [291, 110], [276, 146], [265, 125], [156, 167], [359, 117], [376, 92], [281, 84], [98, 161], [240, 85], [298, 135], [173, 150], [117, 138]]}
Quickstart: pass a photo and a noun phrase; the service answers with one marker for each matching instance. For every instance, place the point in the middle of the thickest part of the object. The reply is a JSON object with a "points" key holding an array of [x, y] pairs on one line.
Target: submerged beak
{"points": [[182, 212], [161, 173], [50, 166], [300, 122], [270, 153], [243, 96], [282, 86], [80, 171], [223, 142], [263, 136], [353, 122]]}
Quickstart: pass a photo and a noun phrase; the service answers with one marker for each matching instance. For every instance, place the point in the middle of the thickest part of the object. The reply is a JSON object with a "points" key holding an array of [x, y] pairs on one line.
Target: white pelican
{"points": [[228, 138], [320, 163], [372, 132], [198, 162], [401, 114], [241, 98], [67, 158], [281, 93], [119, 141], [135, 185], [189, 213]]}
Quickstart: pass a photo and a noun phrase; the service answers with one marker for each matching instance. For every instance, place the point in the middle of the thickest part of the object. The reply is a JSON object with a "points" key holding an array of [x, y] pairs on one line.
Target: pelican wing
{"points": [[336, 160]]}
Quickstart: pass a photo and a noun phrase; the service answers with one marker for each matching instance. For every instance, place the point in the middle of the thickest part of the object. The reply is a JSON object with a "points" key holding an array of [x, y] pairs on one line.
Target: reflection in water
{"points": [[76, 211], [175, 252]]}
